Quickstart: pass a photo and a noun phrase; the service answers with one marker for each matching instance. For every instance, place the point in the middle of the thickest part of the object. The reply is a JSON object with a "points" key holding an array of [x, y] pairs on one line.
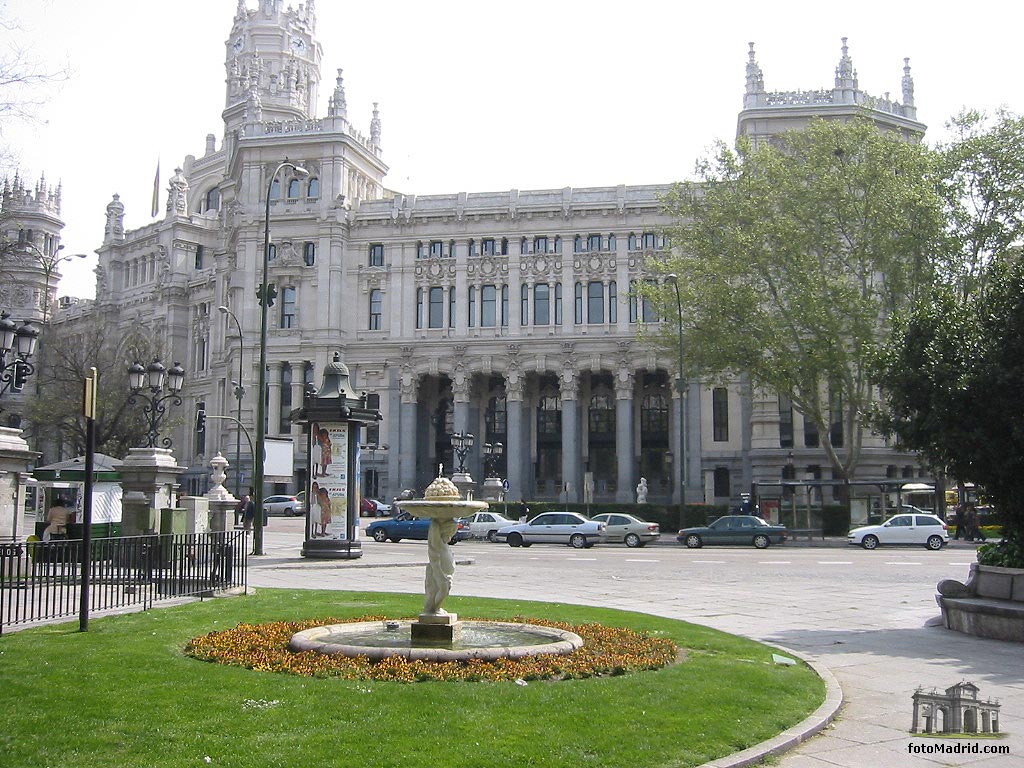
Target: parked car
{"points": [[919, 529], [405, 526], [373, 508], [283, 505], [554, 528], [626, 528], [485, 525], [734, 529]]}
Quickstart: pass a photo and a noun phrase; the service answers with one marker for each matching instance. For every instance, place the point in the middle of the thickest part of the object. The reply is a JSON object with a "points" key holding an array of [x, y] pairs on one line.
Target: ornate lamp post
{"points": [[239, 394], [17, 345], [153, 378], [462, 443], [492, 455], [673, 280], [261, 397]]}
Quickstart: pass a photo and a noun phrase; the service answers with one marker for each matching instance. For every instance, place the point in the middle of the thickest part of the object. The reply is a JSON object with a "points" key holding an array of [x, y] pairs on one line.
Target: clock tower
{"points": [[273, 65]]}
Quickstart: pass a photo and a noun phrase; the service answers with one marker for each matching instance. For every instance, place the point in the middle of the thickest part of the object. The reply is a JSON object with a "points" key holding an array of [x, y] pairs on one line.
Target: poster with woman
{"points": [[332, 446]]}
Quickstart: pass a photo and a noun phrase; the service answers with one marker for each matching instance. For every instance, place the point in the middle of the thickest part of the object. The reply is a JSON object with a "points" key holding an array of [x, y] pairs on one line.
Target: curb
{"points": [[792, 737]]}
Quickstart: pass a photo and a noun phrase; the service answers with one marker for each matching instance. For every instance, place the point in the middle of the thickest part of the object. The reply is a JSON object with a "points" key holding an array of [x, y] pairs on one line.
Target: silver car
{"points": [[630, 530], [554, 528]]}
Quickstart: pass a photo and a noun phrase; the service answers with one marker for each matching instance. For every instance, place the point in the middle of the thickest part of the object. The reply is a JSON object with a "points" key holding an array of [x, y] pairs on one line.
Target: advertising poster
{"points": [[328, 492]]}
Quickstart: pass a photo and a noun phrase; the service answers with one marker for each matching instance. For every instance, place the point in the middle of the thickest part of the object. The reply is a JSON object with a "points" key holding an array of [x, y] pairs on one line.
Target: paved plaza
{"points": [[868, 617]]}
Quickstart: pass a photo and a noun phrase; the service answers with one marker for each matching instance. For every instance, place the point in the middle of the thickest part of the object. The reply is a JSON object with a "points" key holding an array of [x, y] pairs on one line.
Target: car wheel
{"points": [[578, 541], [869, 542], [379, 534], [934, 543], [289, 512], [492, 536], [693, 541], [761, 541], [632, 540], [515, 540]]}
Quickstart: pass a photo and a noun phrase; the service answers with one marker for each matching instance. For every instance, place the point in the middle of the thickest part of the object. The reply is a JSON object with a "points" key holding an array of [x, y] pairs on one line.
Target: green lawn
{"points": [[124, 694]]}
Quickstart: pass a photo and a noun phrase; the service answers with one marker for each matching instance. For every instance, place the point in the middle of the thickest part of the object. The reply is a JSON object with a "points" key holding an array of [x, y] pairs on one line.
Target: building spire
{"points": [[908, 84], [846, 75], [755, 77], [338, 106], [375, 128]]}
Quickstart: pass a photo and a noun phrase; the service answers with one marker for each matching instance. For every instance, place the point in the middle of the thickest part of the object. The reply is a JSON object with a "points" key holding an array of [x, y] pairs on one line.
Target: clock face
{"points": [[299, 45], [237, 45]]}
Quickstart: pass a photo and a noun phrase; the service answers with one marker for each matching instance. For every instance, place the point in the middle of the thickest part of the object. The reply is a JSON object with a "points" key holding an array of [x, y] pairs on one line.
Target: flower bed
{"points": [[606, 651]]}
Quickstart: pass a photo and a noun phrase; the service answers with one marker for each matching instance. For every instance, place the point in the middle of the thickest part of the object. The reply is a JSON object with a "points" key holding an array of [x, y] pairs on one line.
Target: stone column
{"points": [[569, 389], [273, 397], [624, 448], [149, 481], [14, 461], [516, 451], [407, 446], [298, 390]]}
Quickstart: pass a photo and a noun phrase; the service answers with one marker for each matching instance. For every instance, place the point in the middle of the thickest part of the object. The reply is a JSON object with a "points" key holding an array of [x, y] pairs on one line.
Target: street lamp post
{"points": [[462, 443], [19, 344], [239, 394], [153, 378], [673, 280], [492, 455], [261, 391], [49, 262]]}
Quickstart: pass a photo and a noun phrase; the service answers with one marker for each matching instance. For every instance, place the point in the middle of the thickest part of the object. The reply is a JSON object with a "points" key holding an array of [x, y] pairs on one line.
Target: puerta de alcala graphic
{"points": [[955, 710]]}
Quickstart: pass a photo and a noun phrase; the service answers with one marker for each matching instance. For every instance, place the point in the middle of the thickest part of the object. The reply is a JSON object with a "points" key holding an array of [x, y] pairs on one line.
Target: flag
{"points": [[156, 190]]}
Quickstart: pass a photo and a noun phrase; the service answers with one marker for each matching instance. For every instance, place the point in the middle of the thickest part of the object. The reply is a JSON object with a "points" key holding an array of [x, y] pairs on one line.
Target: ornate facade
{"points": [[510, 315]]}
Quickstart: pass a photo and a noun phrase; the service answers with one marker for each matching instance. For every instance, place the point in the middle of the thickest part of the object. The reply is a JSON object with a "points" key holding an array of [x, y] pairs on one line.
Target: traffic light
{"points": [[271, 294], [21, 372], [200, 420]]}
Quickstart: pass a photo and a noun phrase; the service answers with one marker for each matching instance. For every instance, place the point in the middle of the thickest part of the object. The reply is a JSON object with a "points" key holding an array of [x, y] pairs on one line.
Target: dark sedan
{"points": [[405, 526], [734, 529]]}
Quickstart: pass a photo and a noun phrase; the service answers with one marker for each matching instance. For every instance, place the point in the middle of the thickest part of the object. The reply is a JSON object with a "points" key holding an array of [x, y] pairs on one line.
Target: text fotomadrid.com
{"points": [[959, 748]]}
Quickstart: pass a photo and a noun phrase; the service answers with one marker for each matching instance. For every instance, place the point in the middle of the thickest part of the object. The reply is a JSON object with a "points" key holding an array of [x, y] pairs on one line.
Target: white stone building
{"points": [[505, 314]]}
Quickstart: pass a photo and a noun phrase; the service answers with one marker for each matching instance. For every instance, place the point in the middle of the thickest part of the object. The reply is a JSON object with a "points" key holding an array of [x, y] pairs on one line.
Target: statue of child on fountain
{"points": [[441, 564]]}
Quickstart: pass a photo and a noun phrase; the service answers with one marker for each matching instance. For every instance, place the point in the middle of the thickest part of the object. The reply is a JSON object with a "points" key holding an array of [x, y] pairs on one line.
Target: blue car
{"points": [[405, 526]]}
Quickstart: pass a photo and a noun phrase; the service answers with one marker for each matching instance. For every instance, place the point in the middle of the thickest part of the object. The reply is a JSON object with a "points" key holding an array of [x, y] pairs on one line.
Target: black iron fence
{"points": [[43, 580]]}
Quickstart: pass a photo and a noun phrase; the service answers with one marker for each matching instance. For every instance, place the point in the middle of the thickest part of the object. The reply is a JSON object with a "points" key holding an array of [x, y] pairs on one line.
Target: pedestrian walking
{"points": [[248, 512], [958, 521]]}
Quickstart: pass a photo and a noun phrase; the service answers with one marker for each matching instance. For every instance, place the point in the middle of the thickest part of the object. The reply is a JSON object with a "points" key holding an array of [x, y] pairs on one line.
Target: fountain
{"points": [[438, 635]]}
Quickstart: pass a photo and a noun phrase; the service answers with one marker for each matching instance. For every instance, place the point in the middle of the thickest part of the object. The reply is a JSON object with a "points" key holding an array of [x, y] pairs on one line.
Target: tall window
{"points": [[504, 306], [524, 304], [602, 413], [720, 414], [294, 189], [594, 242], [288, 319], [487, 246], [376, 309], [377, 254], [488, 306], [275, 189], [835, 408], [435, 318], [471, 305], [558, 303], [199, 257], [309, 254], [419, 307], [578, 305], [785, 422], [213, 200], [284, 425], [613, 302], [541, 304], [811, 437], [595, 302], [451, 307], [271, 251], [723, 488], [436, 249], [549, 415], [313, 187]]}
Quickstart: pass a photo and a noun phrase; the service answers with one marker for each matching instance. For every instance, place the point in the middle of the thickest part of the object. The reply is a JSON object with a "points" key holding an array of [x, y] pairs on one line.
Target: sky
{"points": [[475, 96]]}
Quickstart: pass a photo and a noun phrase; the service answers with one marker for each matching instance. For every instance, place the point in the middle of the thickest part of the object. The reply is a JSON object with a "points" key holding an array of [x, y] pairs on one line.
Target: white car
{"points": [[633, 531], [485, 525], [920, 529], [283, 505], [554, 528]]}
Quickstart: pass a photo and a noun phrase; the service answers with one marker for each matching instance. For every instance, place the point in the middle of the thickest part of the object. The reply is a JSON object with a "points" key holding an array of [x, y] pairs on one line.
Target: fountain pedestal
{"points": [[436, 629]]}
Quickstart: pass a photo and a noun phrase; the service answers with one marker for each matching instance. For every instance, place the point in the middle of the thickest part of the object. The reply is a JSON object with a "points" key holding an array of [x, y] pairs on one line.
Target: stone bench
{"points": [[990, 604]]}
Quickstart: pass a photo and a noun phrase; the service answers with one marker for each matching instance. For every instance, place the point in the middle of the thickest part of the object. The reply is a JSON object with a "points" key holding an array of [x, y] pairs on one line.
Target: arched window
{"points": [[213, 200], [275, 189], [294, 188], [309, 254], [313, 188]]}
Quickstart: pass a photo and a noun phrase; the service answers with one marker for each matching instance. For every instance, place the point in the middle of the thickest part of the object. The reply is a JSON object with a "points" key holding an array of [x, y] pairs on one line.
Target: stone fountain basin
{"points": [[441, 509], [485, 640]]}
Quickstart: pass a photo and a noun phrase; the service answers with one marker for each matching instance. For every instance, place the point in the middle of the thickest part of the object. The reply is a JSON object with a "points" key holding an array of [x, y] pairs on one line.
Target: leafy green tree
{"points": [[790, 257], [952, 374], [982, 176]]}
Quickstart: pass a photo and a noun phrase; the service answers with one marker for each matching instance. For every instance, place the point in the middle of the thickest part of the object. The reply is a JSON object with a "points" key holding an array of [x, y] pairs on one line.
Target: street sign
{"points": [[504, 484]]}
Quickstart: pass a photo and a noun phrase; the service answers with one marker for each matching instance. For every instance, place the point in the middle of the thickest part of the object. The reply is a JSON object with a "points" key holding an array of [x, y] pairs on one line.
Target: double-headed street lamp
{"points": [[462, 443], [17, 345], [261, 391], [492, 455], [153, 378], [673, 280], [239, 394]]}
